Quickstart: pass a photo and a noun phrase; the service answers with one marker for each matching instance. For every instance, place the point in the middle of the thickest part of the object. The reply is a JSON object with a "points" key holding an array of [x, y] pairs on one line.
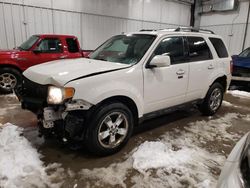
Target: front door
{"points": [[48, 49], [166, 86]]}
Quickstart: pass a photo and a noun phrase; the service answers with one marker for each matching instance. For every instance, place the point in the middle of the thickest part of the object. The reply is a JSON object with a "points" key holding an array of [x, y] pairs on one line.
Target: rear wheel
{"points": [[110, 127], [9, 79], [213, 100]]}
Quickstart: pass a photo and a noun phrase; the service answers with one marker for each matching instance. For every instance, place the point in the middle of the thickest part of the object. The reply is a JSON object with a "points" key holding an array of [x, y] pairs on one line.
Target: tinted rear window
{"points": [[72, 45], [198, 49], [219, 47]]}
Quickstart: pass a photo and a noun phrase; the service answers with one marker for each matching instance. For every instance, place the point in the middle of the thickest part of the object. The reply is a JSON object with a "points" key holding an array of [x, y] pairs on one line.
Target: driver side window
{"points": [[50, 45], [173, 47]]}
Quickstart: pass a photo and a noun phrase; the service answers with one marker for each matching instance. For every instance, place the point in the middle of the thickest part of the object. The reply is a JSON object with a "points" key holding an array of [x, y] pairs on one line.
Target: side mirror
{"points": [[159, 61]]}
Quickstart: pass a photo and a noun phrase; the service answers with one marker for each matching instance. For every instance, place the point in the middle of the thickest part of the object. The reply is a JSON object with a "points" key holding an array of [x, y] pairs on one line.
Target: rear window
{"points": [[219, 47], [198, 49], [72, 45]]}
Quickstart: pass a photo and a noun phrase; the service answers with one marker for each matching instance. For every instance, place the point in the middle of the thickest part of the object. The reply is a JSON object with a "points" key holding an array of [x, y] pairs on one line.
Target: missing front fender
{"points": [[77, 105]]}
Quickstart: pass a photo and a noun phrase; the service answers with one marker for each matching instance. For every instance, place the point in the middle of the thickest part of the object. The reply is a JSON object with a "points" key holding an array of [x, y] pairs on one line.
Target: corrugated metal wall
{"points": [[92, 21], [230, 25]]}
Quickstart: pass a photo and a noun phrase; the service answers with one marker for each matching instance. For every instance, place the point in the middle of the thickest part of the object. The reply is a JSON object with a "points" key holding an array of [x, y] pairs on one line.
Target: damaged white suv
{"points": [[129, 78]]}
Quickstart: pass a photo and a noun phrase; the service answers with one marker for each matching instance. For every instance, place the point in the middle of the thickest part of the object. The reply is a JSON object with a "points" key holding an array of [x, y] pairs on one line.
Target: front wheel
{"points": [[213, 100], [109, 128], [9, 79]]}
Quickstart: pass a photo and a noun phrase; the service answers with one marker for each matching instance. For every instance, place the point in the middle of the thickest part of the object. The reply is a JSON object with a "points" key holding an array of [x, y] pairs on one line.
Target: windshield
{"points": [[245, 53], [29, 43], [126, 49]]}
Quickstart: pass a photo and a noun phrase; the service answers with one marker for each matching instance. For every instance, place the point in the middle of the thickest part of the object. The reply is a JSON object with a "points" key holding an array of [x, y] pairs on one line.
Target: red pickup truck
{"points": [[37, 49]]}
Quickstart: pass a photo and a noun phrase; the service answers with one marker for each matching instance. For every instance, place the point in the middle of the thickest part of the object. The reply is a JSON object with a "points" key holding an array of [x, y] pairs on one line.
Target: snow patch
{"points": [[113, 175], [227, 104], [179, 158], [156, 155], [20, 164], [5, 110], [238, 93]]}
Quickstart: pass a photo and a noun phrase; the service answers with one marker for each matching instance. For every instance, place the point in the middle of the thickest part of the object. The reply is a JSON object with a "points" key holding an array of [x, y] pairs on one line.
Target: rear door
{"points": [[201, 67], [166, 86]]}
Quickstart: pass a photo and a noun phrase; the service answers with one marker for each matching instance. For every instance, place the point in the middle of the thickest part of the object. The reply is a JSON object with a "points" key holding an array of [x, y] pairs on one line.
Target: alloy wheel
{"points": [[215, 99], [113, 130], [8, 81]]}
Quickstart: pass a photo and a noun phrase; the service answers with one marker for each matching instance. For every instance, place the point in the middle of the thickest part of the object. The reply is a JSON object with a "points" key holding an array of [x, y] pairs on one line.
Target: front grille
{"points": [[34, 90], [241, 71]]}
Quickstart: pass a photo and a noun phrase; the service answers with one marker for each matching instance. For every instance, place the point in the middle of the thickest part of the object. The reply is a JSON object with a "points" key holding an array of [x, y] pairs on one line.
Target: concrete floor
{"points": [[72, 162]]}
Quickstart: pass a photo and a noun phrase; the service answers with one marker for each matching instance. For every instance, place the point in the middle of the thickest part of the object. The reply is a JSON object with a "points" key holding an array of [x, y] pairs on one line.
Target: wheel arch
{"points": [[222, 80], [12, 66], [130, 103]]}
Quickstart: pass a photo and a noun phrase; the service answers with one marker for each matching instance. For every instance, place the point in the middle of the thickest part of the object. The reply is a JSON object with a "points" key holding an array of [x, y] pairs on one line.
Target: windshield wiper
{"points": [[102, 59], [20, 48]]}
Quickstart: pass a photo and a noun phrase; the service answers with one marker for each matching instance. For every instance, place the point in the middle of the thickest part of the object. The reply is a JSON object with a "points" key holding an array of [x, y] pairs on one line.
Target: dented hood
{"points": [[60, 72]]}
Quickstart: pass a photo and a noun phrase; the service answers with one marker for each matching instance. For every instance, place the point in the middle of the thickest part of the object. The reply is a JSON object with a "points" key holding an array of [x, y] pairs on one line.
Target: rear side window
{"points": [[198, 49], [219, 47], [72, 45]]}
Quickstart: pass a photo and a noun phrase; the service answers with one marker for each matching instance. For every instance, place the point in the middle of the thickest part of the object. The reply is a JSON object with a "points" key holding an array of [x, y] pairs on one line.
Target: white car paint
{"points": [[151, 89], [60, 72], [231, 175]]}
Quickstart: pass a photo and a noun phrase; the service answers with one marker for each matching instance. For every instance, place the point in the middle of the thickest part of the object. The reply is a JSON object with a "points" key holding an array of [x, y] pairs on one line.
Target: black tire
{"points": [[14, 74], [205, 107], [96, 123]]}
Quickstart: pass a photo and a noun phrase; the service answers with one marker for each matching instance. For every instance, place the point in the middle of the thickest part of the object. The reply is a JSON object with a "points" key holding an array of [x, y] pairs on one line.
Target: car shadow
{"points": [[163, 120]]}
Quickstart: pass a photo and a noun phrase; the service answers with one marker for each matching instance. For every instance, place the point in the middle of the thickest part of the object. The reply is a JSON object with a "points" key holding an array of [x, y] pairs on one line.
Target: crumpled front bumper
{"points": [[64, 120]]}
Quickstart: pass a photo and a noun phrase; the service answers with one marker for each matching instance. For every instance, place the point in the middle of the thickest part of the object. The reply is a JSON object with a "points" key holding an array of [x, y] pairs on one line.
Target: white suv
{"points": [[129, 78]]}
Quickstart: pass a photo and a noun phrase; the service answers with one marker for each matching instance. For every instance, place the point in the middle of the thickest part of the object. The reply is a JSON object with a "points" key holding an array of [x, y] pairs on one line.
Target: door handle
{"points": [[21, 59], [210, 66], [180, 72]]}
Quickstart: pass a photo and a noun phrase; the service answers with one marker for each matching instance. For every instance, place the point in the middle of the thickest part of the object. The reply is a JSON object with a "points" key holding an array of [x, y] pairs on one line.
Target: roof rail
{"points": [[184, 29], [148, 30], [192, 29]]}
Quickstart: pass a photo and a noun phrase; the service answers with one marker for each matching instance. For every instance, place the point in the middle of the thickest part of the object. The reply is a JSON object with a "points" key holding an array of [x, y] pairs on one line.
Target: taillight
{"points": [[231, 66]]}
